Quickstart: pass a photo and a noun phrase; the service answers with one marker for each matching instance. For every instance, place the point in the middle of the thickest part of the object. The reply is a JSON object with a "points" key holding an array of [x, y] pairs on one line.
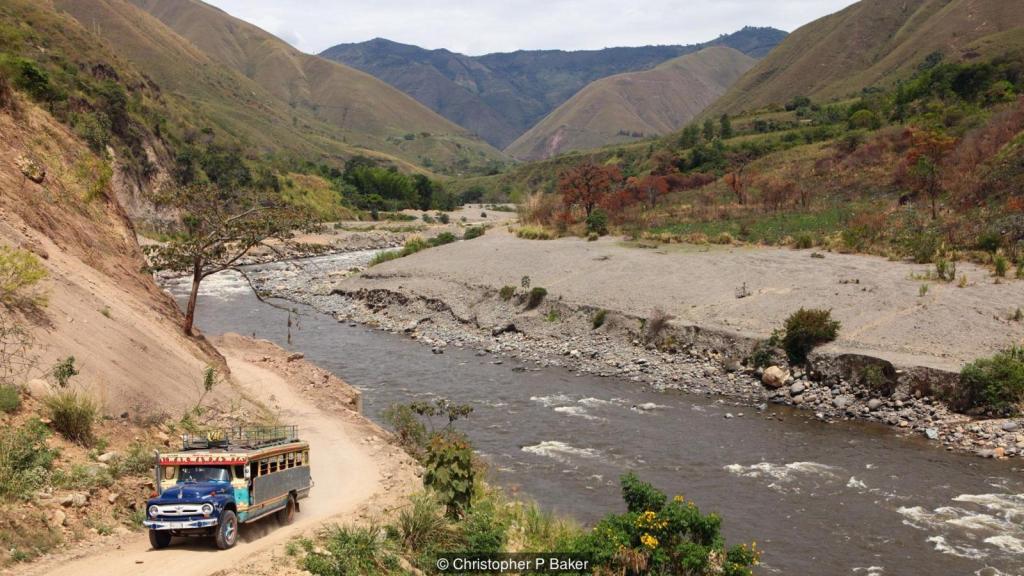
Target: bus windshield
{"points": [[196, 474]]}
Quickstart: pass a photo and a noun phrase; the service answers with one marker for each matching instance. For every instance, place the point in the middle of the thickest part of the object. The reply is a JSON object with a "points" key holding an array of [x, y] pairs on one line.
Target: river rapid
{"points": [[843, 498]]}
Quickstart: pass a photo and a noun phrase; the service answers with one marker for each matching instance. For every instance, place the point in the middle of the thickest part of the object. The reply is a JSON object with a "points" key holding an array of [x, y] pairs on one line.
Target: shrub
{"points": [[535, 297], [474, 232], [553, 316], [10, 399], [20, 275], [865, 120], [593, 237], [382, 257], [723, 238], [25, 460], [73, 416], [805, 329], [597, 222], [63, 371], [599, 318], [533, 233], [137, 460], [442, 238], [804, 241], [640, 496], [422, 526], [1001, 265], [507, 292], [993, 384], [411, 432], [449, 471], [483, 529], [443, 218], [351, 550], [427, 218], [945, 270]]}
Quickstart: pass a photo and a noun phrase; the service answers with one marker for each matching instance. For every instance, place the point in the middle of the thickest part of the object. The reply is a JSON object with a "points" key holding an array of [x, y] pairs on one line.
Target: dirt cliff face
{"points": [[59, 200]]}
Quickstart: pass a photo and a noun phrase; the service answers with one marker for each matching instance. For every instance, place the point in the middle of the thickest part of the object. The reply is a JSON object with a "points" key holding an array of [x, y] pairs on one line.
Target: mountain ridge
{"points": [[500, 96]]}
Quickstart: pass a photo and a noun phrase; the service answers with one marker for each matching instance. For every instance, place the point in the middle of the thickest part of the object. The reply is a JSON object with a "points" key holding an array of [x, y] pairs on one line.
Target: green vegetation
{"points": [[412, 246], [73, 415], [598, 319], [10, 399], [535, 297], [805, 329], [63, 371], [20, 275], [533, 233], [993, 385], [507, 292], [25, 459], [474, 232]]}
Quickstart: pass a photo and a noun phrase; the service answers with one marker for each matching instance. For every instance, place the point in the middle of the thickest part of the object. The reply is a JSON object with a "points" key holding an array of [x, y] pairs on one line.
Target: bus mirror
{"points": [[247, 472]]}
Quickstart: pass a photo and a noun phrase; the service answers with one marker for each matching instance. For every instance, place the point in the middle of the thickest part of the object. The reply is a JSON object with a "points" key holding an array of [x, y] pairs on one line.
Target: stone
{"points": [[999, 452], [1010, 426], [37, 388], [874, 404], [931, 433], [57, 519], [503, 328], [113, 497], [842, 401], [295, 356], [797, 389], [31, 169], [775, 377], [107, 457], [75, 499]]}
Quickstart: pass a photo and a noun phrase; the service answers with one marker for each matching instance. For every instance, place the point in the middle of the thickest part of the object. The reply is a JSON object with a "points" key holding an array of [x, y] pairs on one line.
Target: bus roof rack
{"points": [[249, 437]]}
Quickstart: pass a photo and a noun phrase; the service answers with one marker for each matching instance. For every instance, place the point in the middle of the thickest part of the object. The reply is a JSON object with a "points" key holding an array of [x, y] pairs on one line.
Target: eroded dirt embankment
{"points": [[897, 354]]}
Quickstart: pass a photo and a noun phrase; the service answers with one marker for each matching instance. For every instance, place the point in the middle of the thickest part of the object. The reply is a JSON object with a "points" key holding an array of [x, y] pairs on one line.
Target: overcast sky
{"points": [[483, 26]]}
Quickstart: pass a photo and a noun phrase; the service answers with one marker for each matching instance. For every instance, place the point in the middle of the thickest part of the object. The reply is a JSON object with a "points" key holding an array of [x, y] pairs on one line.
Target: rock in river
{"points": [[775, 377]]}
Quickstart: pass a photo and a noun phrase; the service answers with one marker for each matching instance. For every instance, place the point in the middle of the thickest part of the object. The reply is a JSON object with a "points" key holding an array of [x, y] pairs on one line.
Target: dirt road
{"points": [[346, 469]]}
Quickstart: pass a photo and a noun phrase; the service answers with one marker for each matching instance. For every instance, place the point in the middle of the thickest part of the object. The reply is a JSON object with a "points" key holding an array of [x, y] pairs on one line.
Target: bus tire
{"points": [[159, 539], [286, 515], [227, 530]]}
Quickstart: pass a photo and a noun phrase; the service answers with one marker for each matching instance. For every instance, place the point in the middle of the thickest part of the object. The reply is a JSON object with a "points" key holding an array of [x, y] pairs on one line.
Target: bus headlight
{"points": [[153, 511], [207, 509]]}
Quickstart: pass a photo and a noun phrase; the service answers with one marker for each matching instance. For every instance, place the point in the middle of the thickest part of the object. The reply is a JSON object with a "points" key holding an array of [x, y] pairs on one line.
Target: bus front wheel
{"points": [[227, 530], [160, 538]]}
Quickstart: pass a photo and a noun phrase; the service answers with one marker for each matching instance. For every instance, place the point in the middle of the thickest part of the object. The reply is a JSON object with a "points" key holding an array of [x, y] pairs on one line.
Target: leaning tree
{"points": [[218, 226]]}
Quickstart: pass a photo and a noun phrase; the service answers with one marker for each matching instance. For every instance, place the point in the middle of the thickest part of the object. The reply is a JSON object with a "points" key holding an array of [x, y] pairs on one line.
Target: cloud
{"points": [[476, 27]]}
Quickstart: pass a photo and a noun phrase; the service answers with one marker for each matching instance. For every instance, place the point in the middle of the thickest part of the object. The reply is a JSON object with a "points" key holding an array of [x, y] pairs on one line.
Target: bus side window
{"points": [[239, 472], [264, 467], [291, 460], [273, 465]]}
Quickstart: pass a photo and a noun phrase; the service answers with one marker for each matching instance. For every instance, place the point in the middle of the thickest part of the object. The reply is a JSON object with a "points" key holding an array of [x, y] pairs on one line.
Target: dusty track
{"points": [[348, 460]]}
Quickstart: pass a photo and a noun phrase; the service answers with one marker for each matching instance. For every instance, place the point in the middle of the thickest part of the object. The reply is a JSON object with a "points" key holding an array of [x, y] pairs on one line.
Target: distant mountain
{"points": [[269, 96], [500, 96], [874, 43], [624, 107]]}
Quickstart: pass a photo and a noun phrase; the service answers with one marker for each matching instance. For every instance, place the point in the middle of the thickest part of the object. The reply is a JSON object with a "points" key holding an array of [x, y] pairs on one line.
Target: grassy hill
{"points": [[500, 96], [262, 92], [872, 43], [626, 107]]}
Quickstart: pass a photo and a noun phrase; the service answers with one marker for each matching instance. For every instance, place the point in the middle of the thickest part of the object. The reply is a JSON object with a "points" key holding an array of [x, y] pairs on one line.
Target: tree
{"points": [[726, 126], [424, 191], [218, 226], [735, 182], [586, 184], [709, 130], [924, 161]]}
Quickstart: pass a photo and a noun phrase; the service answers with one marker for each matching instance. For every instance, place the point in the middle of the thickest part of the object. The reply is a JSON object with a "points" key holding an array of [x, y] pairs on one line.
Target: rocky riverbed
{"points": [[681, 357]]}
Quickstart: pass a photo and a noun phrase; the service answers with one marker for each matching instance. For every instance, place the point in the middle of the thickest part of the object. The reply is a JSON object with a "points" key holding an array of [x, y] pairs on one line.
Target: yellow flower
{"points": [[679, 498], [649, 541]]}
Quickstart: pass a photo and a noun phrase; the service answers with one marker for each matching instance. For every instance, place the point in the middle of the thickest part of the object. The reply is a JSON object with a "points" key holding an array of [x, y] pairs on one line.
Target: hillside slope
{"points": [[871, 43], [260, 90], [624, 107], [500, 96]]}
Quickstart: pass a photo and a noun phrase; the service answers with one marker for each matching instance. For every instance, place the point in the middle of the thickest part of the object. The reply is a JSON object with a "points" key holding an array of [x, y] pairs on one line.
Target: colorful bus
{"points": [[226, 477]]}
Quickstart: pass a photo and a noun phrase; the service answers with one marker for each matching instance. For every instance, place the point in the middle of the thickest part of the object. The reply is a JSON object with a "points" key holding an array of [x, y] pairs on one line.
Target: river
{"points": [[844, 498]]}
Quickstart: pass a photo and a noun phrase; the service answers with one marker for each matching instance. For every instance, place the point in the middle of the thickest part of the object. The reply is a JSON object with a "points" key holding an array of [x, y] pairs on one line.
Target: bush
{"points": [[804, 241], [533, 233], [597, 222], [656, 324], [411, 432], [593, 237], [805, 329], [599, 318], [382, 257], [640, 496], [444, 218], [423, 525], [1001, 265], [20, 275], [10, 399], [73, 416], [507, 292], [63, 371], [535, 297], [993, 384], [449, 471], [442, 239], [865, 120], [483, 529], [350, 551], [474, 232], [25, 460], [723, 238]]}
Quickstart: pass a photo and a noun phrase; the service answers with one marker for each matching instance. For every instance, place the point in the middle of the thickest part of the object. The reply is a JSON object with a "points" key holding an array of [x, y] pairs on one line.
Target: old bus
{"points": [[226, 477]]}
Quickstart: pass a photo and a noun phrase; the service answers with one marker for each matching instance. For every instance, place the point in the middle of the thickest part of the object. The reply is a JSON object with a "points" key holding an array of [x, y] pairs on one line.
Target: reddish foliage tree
{"points": [[924, 162], [587, 184], [736, 183]]}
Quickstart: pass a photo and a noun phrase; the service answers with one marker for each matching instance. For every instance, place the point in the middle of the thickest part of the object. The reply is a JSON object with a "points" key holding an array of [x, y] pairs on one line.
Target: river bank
{"points": [[450, 296]]}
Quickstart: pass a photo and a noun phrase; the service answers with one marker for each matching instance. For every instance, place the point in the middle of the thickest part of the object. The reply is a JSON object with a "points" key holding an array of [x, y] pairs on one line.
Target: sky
{"points": [[482, 26]]}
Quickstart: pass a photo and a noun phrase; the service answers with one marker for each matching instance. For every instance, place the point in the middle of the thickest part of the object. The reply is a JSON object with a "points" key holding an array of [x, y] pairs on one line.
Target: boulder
{"points": [[842, 401], [797, 389], [775, 377], [1010, 426], [107, 457], [874, 404], [75, 499], [37, 388], [57, 519]]}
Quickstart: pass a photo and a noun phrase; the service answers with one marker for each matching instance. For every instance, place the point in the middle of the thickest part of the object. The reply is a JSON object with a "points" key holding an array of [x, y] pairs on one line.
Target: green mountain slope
{"points": [[633, 105], [261, 91], [871, 43], [500, 96]]}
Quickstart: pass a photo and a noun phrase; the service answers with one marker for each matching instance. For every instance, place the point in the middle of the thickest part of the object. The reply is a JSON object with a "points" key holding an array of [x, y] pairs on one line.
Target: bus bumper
{"points": [[179, 525]]}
